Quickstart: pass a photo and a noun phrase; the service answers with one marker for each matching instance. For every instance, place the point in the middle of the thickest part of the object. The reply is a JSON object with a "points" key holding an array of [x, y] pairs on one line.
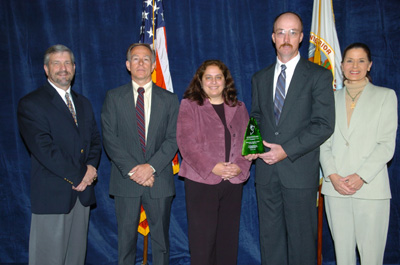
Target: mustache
{"points": [[63, 72], [286, 44]]}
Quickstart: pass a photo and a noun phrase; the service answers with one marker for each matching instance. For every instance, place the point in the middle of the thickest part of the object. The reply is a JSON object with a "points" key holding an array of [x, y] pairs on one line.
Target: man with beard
{"points": [[60, 132], [292, 101]]}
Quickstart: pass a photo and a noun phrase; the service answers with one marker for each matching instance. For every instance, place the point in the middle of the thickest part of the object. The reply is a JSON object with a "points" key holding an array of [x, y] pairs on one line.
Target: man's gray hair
{"points": [[134, 45], [56, 49]]}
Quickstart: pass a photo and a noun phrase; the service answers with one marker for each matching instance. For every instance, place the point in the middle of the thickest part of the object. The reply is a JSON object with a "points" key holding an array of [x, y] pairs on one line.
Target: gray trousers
{"points": [[158, 216], [59, 239]]}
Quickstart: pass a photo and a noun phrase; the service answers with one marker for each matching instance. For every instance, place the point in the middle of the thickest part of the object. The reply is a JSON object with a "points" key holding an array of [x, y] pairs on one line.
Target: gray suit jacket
{"points": [[366, 145], [121, 140], [307, 120]]}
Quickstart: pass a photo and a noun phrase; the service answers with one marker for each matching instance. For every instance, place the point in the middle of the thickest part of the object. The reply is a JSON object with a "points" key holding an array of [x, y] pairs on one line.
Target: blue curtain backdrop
{"points": [[99, 31]]}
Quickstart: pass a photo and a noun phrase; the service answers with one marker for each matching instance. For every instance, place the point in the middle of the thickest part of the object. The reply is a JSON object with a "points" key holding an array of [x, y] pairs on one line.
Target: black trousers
{"points": [[213, 222], [288, 224]]}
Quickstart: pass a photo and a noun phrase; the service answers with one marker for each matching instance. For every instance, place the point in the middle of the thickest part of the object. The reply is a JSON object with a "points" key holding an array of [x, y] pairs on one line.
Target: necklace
{"points": [[353, 104]]}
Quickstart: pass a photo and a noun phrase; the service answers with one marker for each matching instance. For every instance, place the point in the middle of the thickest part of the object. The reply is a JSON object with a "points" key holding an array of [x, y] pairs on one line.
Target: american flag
{"points": [[153, 32]]}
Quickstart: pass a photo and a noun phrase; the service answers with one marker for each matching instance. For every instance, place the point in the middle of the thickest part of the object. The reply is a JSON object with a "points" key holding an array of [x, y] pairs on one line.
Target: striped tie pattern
{"points": [[140, 118], [71, 107], [280, 94]]}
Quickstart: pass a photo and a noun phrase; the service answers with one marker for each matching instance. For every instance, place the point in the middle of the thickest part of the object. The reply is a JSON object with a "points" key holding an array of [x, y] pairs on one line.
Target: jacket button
{"points": [[276, 133], [81, 151]]}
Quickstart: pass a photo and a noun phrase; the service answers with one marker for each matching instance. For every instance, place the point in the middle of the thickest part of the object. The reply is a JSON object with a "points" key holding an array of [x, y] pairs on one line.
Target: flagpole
{"points": [[324, 50], [145, 248], [320, 225], [320, 198], [146, 237], [317, 54], [153, 24]]}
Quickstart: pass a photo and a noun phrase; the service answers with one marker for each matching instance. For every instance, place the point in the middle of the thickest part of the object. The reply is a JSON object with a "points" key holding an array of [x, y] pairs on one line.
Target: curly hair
{"points": [[195, 91]]}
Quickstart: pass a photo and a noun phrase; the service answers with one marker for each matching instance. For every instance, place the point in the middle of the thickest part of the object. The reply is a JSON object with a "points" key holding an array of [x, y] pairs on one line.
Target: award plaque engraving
{"points": [[252, 143]]}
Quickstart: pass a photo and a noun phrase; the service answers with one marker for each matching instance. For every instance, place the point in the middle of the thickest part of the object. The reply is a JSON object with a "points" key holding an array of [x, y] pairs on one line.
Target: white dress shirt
{"points": [[290, 66], [62, 93]]}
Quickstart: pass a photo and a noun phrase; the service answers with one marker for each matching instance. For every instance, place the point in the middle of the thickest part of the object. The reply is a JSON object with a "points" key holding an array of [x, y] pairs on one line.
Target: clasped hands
{"points": [[143, 175], [274, 155], [226, 170], [348, 185], [88, 179]]}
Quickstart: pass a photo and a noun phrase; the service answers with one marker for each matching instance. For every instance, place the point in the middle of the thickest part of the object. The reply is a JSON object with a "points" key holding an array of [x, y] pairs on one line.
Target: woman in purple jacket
{"points": [[211, 126]]}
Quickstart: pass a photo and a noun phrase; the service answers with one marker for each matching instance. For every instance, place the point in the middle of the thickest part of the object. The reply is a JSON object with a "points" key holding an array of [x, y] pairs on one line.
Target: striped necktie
{"points": [[71, 107], [280, 94], [140, 118]]}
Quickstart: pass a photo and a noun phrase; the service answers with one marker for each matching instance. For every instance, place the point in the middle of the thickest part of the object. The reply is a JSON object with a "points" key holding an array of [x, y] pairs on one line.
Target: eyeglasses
{"points": [[281, 33]]}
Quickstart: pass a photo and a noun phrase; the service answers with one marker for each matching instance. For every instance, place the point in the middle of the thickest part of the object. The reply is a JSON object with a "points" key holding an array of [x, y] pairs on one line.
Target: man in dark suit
{"points": [[59, 129], [139, 133], [292, 101]]}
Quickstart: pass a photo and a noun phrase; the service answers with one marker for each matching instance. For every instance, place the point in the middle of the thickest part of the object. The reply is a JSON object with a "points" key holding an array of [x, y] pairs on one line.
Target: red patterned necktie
{"points": [[140, 118], [70, 107]]}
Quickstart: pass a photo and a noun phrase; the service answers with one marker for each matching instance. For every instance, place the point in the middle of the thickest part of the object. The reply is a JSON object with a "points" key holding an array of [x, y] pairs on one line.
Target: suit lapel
{"points": [[157, 109], [300, 76], [127, 104], [80, 113], [268, 93], [210, 111], [229, 113], [60, 105], [341, 113], [361, 108]]}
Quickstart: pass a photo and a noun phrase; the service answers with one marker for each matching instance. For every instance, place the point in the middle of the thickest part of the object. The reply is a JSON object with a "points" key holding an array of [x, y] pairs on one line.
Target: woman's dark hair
{"points": [[358, 45], [195, 90]]}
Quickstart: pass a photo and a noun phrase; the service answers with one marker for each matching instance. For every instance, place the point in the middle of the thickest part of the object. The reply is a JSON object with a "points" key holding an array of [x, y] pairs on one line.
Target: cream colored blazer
{"points": [[365, 146]]}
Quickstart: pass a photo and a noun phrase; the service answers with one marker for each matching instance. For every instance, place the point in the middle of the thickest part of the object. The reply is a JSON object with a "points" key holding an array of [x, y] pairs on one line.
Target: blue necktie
{"points": [[140, 118], [280, 94]]}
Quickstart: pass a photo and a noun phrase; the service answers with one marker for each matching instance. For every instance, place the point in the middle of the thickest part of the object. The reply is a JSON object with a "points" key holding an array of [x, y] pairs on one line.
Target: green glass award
{"points": [[252, 143]]}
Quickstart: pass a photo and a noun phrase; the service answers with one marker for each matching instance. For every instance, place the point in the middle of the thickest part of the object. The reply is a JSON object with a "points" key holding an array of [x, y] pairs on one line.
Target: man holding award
{"points": [[292, 102]]}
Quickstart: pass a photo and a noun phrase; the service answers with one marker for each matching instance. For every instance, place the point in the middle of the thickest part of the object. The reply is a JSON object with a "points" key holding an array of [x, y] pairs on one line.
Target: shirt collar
{"points": [[147, 87], [290, 64], [59, 90]]}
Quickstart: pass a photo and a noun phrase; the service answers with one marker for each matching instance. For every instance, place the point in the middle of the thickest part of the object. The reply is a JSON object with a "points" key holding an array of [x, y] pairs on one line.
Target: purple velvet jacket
{"points": [[201, 140]]}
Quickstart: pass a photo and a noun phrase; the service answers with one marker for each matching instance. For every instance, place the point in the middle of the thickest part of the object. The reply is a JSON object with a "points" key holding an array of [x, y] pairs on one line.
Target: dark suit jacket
{"points": [[60, 151], [307, 120], [121, 140]]}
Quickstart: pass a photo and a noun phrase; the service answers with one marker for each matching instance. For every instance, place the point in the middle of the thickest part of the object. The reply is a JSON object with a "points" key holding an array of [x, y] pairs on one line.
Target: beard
{"points": [[62, 78]]}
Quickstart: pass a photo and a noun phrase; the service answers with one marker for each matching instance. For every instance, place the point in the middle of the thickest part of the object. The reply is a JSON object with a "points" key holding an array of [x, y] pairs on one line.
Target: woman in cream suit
{"points": [[353, 160]]}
